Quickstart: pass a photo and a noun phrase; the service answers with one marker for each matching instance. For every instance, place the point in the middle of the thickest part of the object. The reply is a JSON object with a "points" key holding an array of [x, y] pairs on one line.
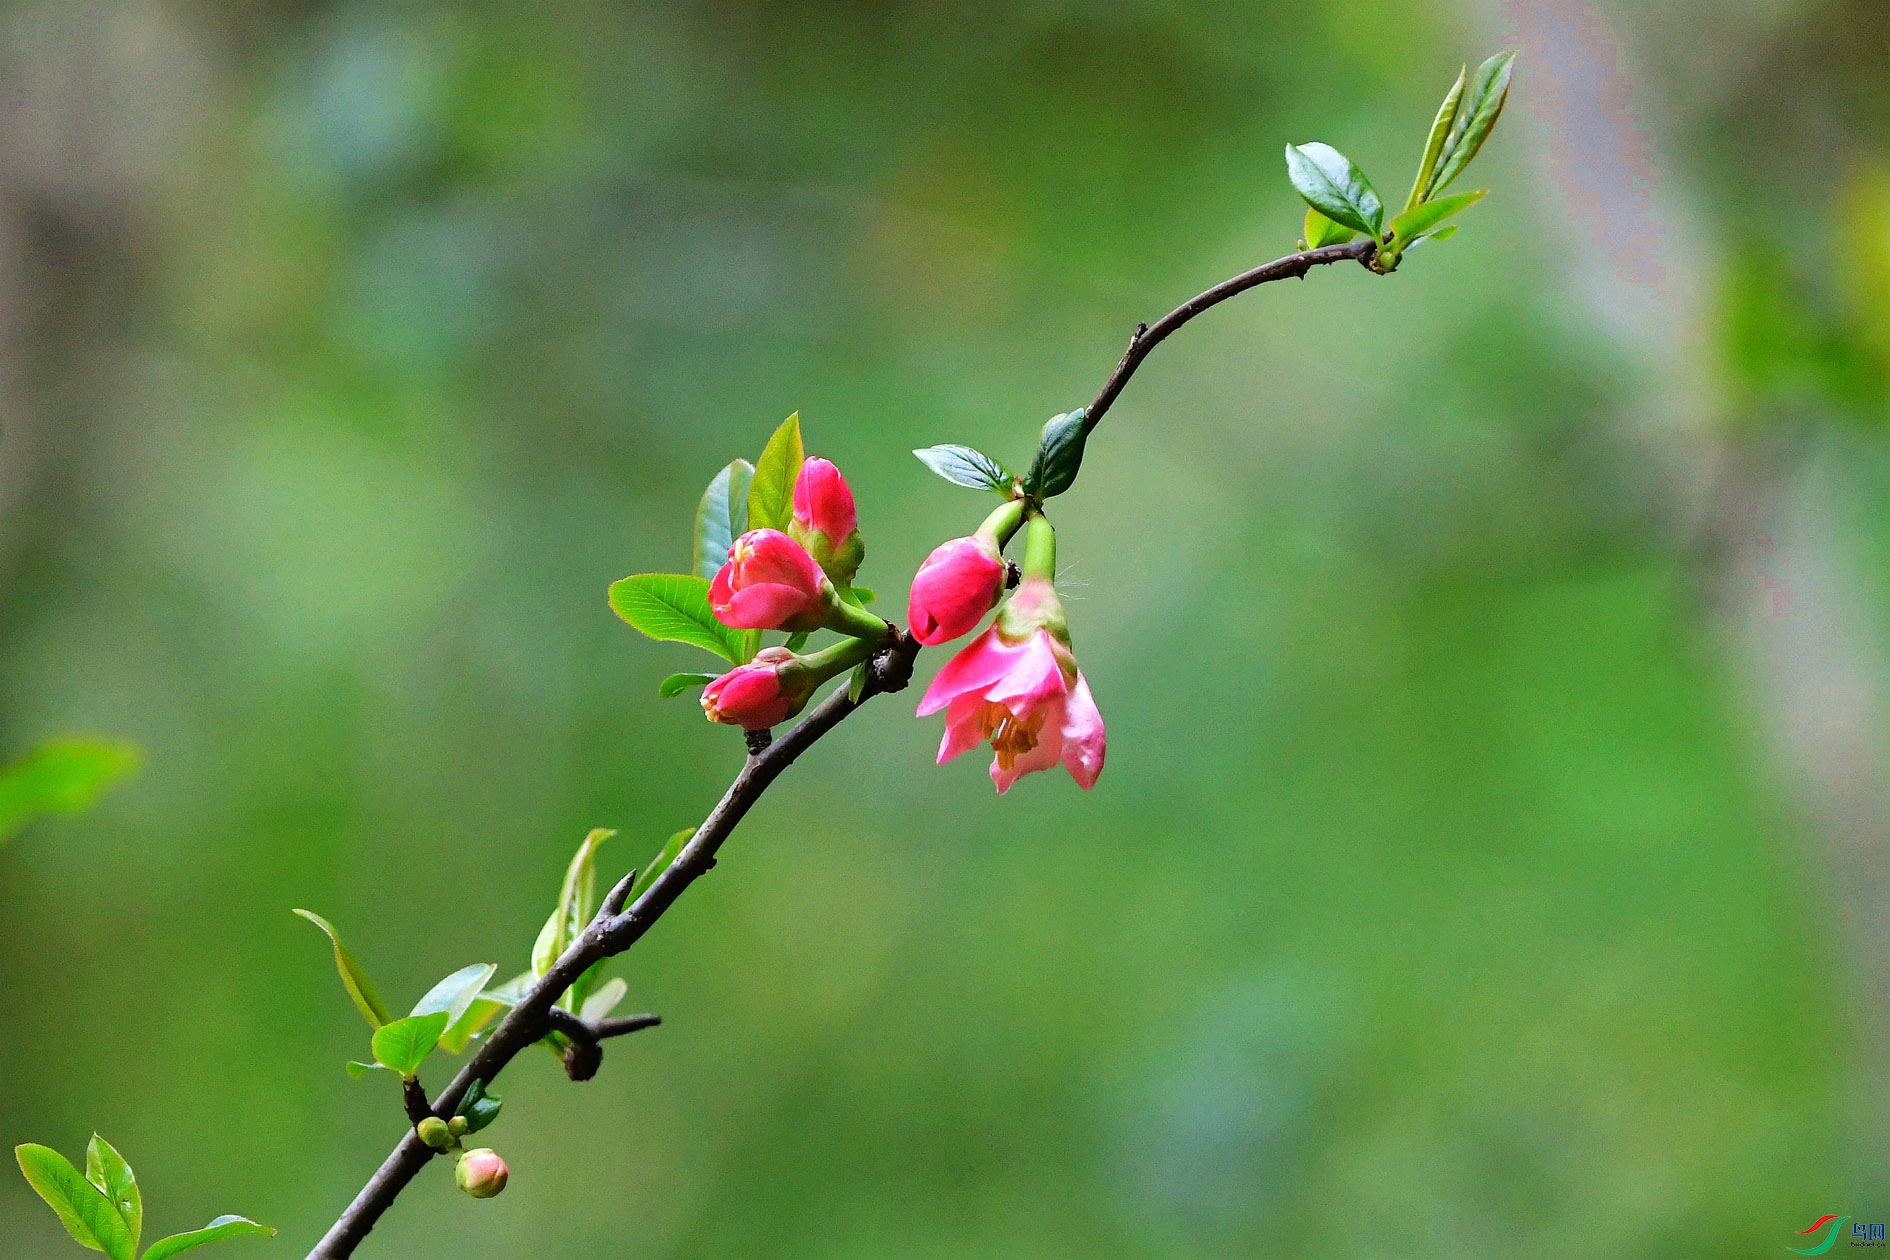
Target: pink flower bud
{"points": [[825, 521], [1027, 698], [481, 1173], [955, 587], [769, 583], [823, 502], [763, 693]]}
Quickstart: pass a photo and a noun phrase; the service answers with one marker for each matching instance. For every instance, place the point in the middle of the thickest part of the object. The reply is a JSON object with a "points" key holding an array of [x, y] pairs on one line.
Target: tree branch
{"points": [[616, 928]]}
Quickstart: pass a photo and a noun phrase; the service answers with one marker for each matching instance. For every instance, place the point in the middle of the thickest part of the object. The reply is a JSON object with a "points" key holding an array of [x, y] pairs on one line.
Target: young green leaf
{"points": [[604, 1001], [1434, 144], [479, 1107], [771, 497], [455, 994], [353, 979], [1336, 188], [1321, 231], [404, 1045], [964, 466], [797, 640], [662, 863], [107, 1169], [358, 1069], [577, 897], [675, 607], [1059, 454], [460, 1033], [513, 991], [61, 776], [217, 1230], [86, 1213], [1441, 234], [722, 516], [864, 595], [676, 684], [1489, 91], [1412, 224]]}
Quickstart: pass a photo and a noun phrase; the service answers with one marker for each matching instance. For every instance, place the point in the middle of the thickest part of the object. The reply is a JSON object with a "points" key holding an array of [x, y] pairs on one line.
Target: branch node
{"points": [[414, 1095], [758, 742]]}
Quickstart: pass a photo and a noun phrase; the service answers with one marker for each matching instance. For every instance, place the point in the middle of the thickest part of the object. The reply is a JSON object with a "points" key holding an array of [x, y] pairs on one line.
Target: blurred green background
{"points": [[1494, 850]]}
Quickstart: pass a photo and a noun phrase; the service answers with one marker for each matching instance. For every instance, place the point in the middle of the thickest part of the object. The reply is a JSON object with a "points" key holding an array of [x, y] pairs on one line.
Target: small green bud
{"points": [[435, 1133], [459, 1126]]}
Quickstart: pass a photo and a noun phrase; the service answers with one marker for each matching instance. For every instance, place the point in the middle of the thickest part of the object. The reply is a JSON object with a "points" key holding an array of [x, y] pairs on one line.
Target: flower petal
{"points": [[962, 731], [978, 665], [1034, 679], [1047, 753], [1085, 743]]}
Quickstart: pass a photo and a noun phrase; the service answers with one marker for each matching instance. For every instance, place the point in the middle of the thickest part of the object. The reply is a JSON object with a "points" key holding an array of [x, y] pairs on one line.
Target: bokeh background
{"points": [[1495, 845]]}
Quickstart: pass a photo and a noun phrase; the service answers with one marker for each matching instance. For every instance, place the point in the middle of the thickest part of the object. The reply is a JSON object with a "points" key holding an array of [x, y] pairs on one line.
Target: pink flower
{"points": [[481, 1173], [757, 695], [1028, 698], [823, 502], [769, 583], [955, 587]]}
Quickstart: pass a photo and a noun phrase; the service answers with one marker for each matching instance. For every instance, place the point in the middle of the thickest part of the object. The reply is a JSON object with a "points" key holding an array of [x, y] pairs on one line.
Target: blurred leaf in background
{"points": [[61, 776]]}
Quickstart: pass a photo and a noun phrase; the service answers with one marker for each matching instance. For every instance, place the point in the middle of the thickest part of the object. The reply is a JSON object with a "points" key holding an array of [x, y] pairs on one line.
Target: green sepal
{"points": [[674, 607], [353, 978], [85, 1211], [1059, 454], [1334, 186], [404, 1045], [722, 516], [771, 496], [107, 1169], [222, 1227]]}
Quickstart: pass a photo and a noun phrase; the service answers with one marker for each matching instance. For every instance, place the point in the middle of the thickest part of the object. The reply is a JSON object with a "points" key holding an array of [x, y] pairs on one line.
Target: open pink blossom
{"points": [[757, 695], [955, 587], [769, 583], [1026, 697]]}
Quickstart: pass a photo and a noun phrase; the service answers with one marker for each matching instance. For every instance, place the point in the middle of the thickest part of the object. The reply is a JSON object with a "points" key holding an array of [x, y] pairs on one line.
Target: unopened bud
{"points": [[459, 1126], [435, 1133], [481, 1173]]}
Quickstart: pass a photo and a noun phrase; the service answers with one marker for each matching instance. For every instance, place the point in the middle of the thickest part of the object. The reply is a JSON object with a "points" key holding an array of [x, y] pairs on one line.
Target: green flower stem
{"points": [[1003, 523], [841, 656], [853, 620], [1040, 548]]}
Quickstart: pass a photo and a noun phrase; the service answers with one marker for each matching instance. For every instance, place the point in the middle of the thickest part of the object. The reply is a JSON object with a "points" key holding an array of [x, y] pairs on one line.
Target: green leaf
{"points": [[1434, 144], [217, 1230], [477, 1016], [577, 898], [964, 466], [675, 607], [581, 987], [1412, 224], [107, 1169], [479, 1107], [722, 516], [604, 1001], [513, 991], [771, 497], [1333, 186], [404, 1045], [856, 685], [355, 980], [1489, 91], [648, 876], [87, 1214], [865, 595], [358, 1069], [455, 994], [797, 641], [1321, 231], [61, 776], [1059, 454], [676, 684], [1441, 234]]}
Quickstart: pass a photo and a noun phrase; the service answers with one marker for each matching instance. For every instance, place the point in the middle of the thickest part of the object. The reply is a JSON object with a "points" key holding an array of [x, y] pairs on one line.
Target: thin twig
{"points": [[616, 929]]}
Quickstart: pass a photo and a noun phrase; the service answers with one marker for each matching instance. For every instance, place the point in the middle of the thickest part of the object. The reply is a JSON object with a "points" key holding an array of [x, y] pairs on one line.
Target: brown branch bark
{"points": [[616, 929]]}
